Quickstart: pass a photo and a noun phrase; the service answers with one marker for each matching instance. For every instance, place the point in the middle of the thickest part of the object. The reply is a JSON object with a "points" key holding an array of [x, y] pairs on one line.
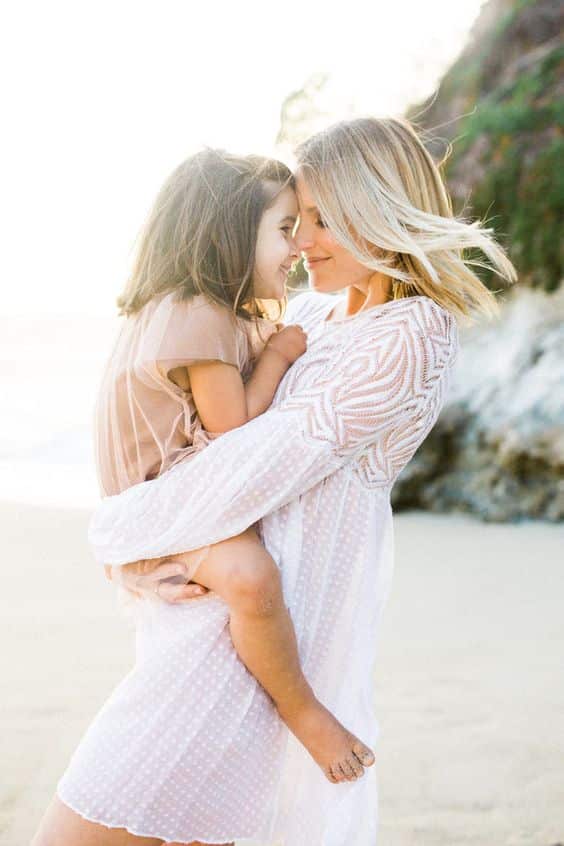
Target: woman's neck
{"points": [[365, 295]]}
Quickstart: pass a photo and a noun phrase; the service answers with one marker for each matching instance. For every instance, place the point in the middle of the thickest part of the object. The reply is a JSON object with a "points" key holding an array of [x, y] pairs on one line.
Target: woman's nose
{"points": [[303, 238]]}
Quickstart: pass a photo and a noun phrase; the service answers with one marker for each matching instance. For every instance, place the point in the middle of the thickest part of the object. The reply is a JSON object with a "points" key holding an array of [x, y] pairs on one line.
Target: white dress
{"points": [[189, 746]]}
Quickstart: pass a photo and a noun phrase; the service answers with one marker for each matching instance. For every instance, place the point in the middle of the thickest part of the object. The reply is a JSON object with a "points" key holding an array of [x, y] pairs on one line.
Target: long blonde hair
{"points": [[382, 198], [201, 234]]}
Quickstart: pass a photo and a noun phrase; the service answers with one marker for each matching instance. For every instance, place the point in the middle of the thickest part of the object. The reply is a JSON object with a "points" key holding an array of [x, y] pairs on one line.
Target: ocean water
{"points": [[50, 368]]}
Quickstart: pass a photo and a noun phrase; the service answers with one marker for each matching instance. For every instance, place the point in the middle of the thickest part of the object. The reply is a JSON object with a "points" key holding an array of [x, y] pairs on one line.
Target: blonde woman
{"points": [[214, 762]]}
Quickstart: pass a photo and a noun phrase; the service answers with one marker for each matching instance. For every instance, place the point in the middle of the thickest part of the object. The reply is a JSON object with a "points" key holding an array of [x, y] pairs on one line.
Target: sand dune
{"points": [[469, 690]]}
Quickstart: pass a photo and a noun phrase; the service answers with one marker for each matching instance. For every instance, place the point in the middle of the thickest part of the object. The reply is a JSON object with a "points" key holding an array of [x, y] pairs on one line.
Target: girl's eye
{"points": [[286, 228]]}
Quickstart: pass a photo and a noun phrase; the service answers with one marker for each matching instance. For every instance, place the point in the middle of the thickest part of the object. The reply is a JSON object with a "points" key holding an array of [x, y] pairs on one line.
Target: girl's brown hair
{"points": [[201, 234]]}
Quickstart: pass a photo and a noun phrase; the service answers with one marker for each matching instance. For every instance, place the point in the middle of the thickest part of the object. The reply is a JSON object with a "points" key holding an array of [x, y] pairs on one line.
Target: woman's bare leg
{"points": [[241, 571], [199, 843], [61, 826]]}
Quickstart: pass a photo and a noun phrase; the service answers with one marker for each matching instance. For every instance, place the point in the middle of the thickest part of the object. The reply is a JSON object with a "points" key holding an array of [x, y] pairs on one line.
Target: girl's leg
{"points": [[241, 571]]}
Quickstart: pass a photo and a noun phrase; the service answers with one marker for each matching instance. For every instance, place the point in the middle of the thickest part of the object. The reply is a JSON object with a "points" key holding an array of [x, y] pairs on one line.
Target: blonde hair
{"points": [[376, 186], [201, 234]]}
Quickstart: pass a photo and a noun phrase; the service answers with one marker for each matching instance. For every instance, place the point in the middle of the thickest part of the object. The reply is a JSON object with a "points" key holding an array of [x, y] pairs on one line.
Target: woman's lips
{"points": [[313, 262]]}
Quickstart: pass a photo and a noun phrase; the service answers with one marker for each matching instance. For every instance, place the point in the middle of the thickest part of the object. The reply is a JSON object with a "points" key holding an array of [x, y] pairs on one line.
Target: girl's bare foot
{"points": [[339, 753]]}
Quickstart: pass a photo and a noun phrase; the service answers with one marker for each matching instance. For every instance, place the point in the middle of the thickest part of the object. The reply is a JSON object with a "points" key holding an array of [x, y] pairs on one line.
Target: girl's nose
{"points": [[294, 252]]}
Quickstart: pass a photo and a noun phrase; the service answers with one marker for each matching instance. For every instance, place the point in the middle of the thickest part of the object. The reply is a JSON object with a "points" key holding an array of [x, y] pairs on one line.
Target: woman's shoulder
{"points": [[431, 317], [419, 313], [417, 326], [436, 323]]}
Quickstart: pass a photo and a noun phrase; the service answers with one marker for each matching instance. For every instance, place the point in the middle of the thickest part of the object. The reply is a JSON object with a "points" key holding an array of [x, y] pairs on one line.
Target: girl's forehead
{"points": [[286, 198]]}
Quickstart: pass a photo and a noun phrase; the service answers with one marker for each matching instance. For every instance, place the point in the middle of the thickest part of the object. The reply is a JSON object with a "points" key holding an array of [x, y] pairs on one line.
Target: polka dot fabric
{"points": [[153, 760], [189, 746]]}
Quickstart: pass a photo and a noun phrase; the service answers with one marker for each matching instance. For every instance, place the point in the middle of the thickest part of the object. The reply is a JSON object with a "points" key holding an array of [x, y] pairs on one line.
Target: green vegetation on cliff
{"points": [[501, 106]]}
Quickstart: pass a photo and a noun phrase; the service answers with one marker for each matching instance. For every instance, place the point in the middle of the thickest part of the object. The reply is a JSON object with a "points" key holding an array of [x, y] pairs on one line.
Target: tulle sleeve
{"points": [[184, 332], [371, 412]]}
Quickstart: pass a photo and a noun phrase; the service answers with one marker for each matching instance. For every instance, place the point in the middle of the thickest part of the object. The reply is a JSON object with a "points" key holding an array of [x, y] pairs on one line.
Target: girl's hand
{"points": [[290, 342], [149, 579]]}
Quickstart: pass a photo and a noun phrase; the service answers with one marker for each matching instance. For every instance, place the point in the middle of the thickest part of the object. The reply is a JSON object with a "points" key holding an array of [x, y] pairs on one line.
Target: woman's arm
{"points": [[385, 394], [220, 492]]}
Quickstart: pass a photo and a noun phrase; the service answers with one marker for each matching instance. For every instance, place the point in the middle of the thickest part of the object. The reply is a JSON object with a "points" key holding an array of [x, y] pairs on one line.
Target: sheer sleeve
{"points": [[186, 332], [371, 412]]}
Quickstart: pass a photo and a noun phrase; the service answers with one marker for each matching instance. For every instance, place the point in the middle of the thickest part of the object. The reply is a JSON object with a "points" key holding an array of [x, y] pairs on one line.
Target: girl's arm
{"points": [[380, 401], [221, 398], [280, 352]]}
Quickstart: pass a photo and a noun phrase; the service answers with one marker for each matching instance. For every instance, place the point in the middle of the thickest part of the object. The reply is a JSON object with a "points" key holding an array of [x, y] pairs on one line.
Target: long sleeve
{"points": [[369, 407]]}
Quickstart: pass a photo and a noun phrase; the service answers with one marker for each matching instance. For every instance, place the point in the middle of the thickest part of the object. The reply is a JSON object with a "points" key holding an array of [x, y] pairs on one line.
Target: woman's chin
{"points": [[314, 282], [320, 285]]}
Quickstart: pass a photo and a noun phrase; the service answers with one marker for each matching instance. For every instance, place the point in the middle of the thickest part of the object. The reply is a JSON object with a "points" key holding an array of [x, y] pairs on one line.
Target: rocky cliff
{"points": [[498, 448]]}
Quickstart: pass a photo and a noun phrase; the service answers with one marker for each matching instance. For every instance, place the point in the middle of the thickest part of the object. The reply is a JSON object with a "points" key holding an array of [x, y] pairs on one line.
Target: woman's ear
{"points": [[379, 253]]}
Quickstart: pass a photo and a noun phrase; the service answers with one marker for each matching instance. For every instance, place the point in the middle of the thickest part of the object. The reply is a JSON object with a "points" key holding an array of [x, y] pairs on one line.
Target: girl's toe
{"points": [[347, 772], [357, 768], [331, 776], [364, 754]]}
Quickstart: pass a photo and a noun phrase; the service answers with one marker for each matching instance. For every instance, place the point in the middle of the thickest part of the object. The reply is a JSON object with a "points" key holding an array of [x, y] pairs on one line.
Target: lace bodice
{"points": [[372, 386]]}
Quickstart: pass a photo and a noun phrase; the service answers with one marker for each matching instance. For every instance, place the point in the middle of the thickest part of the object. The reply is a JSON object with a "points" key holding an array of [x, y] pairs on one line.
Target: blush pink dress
{"points": [[145, 423], [189, 746]]}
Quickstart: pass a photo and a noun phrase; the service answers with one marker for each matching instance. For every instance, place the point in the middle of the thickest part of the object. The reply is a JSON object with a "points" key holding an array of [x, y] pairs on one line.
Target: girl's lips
{"points": [[311, 261]]}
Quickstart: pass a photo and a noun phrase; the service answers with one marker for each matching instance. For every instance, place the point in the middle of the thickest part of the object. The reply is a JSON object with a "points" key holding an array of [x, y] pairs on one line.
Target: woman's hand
{"points": [[149, 579]]}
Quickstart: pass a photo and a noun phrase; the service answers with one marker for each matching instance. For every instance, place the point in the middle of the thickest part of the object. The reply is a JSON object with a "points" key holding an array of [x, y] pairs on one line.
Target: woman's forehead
{"points": [[303, 191]]}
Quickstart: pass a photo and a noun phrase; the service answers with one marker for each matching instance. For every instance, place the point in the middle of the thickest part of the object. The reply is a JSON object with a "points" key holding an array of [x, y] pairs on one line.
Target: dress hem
{"points": [[241, 839]]}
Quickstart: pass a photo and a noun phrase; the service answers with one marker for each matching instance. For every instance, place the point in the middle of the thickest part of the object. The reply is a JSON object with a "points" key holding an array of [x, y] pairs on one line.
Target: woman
{"points": [[215, 763]]}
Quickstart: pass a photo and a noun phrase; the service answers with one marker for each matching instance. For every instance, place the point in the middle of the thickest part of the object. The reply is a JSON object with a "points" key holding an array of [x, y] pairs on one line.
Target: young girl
{"points": [[196, 355]]}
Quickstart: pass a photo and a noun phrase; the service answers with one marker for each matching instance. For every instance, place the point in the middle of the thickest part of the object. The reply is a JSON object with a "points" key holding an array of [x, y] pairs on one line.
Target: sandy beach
{"points": [[469, 689]]}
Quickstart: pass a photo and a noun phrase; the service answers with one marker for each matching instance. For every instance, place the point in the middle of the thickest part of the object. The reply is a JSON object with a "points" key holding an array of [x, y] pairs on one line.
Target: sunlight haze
{"points": [[105, 99]]}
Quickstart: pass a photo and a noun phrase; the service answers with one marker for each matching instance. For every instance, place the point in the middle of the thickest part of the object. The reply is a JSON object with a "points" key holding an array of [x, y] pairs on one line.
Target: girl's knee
{"points": [[255, 585], [241, 571]]}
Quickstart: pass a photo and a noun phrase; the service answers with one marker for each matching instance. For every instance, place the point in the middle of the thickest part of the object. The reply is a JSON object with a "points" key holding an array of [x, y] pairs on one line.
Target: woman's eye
{"points": [[320, 223], [286, 228]]}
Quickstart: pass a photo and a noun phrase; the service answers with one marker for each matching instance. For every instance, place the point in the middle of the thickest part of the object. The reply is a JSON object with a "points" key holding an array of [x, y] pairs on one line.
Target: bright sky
{"points": [[104, 99]]}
